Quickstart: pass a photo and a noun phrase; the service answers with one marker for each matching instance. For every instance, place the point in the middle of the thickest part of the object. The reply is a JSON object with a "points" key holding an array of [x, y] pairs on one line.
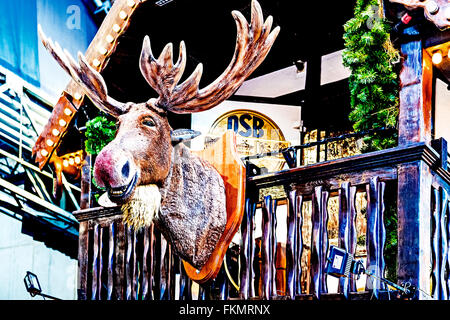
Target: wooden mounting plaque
{"points": [[223, 156]]}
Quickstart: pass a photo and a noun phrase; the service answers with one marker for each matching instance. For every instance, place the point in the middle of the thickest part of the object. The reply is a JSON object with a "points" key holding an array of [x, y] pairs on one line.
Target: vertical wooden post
{"points": [[85, 201], [414, 179], [347, 231], [414, 225], [319, 241], [415, 118], [376, 234]]}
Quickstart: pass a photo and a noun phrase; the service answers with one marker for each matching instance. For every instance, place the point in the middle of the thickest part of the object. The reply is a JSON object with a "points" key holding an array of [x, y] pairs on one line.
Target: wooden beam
{"points": [[414, 226], [416, 78]]}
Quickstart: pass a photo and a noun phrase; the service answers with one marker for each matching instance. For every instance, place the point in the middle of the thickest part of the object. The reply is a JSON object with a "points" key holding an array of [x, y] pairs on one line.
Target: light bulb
{"points": [[437, 57], [62, 122]]}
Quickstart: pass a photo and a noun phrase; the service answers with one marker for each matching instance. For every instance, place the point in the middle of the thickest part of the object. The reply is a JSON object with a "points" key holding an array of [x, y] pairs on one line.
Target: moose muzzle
{"points": [[116, 171]]}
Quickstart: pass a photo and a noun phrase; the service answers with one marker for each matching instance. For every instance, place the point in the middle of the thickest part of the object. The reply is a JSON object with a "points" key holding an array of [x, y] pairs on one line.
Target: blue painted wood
{"points": [[435, 243], [273, 247], [299, 245], [111, 253], [324, 252], [94, 287], [291, 244], [247, 250], [128, 265], [266, 263], [447, 205], [319, 242], [443, 292], [376, 235], [347, 231]]}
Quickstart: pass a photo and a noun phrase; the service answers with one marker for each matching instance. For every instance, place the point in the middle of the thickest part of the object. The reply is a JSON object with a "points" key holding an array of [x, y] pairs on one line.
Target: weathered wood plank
{"points": [[94, 266], [415, 118], [100, 263], [376, 235], [347, 230], [273, 247], [435, 242], [245, 251], [266, 269], [83, 249], [319, 242], [414, 218], [128, 266], [111, 240], [291, 244], [443, 292], [299, 245]]}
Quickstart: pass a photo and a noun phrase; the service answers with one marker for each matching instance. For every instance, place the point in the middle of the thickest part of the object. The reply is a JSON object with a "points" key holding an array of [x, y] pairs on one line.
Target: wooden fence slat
{"points": [[94, 266], [128, 263], [134, 266], [120, 262], [447, 205], [111, 238], [353, 233], [444, 249], [345, 228], [100, 263], [273, 247], [291, 244], [145, 251], [319, 242], [266, 269], [299, 245], [376, 235], [435, 242], [324, 252], [83, 249]]}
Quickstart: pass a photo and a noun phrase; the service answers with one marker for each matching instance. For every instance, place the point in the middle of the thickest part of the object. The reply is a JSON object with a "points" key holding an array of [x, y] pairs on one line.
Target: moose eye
{"points": [[148, 122]]}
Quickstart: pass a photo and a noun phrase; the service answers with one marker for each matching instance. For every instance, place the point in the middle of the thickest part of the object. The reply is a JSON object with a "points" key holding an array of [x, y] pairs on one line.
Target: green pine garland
{"points": [[373, 81], [99, 132]]}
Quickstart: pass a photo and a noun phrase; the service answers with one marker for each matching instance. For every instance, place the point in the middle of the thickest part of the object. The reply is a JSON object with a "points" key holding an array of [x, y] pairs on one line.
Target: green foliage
{"points": [[373, 82], [99, 132]]}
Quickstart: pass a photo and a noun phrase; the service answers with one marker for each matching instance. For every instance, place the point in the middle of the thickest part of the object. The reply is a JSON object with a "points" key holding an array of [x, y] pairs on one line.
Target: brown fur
{"points": [[193, 207]]}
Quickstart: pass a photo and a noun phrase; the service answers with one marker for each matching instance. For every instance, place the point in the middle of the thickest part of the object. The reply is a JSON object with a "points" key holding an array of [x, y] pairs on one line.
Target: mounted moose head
{"points": [[192, 214]]}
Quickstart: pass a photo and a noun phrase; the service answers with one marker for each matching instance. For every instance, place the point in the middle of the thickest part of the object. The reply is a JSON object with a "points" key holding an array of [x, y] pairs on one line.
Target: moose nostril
{"points": [[126, 169]]}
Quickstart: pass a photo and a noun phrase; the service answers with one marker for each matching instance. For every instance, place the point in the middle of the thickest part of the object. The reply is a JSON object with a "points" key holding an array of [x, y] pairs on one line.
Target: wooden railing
{"points": [[117, 263]]}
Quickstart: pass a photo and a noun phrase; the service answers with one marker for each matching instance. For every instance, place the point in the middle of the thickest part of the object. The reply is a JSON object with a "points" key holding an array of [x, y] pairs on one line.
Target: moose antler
{"points": [[253, 43], [88, 78]]}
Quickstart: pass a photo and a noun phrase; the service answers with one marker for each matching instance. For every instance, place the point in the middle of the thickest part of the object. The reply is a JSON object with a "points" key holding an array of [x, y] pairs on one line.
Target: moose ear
{"points": [[180, 135]]}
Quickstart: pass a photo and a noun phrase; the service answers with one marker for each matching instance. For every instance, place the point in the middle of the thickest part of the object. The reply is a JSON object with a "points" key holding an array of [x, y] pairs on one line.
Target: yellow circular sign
{"points": [[256, 134]]}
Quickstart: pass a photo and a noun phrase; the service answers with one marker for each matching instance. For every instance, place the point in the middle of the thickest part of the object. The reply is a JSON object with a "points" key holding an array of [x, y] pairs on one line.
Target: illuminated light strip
{"points": [[125, 14], [437, 57], [67, 111], [102, 50], [77, 96], [109, 38], [62, 122], [116, 28]]}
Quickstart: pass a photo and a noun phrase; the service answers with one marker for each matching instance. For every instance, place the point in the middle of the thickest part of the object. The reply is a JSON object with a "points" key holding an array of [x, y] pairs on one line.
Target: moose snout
{"points": [[113, 168]]}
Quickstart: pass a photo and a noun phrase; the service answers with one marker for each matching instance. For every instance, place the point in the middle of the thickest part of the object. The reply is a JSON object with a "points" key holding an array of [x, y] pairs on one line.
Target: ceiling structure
{"points": [[308, 32]]}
